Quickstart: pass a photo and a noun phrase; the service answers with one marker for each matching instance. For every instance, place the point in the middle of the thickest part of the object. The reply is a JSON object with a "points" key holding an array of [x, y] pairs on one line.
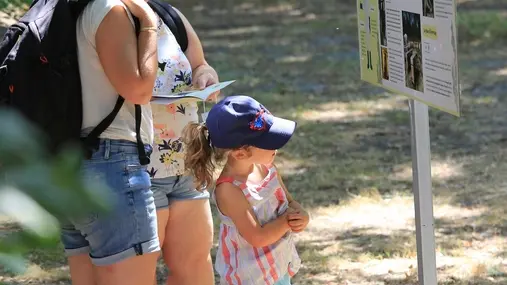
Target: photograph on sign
{"points": [[409, 47], [382, 12], [428, 10], [385, 63], [412, 51]]}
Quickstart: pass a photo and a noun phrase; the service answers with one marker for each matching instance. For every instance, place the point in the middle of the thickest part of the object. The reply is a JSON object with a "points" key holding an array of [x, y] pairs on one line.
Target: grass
{"points": [[12, 7], [16, 3], [349, 162]]}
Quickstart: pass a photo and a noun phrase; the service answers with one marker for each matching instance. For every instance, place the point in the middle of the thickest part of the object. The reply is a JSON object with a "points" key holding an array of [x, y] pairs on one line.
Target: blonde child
{"points": [[258, 215]]}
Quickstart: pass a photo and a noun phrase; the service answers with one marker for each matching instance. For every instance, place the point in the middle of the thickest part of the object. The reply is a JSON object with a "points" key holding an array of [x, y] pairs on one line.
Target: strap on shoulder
{"points": [[173, 20], [222, 180], [92, 140], [231, 180]]}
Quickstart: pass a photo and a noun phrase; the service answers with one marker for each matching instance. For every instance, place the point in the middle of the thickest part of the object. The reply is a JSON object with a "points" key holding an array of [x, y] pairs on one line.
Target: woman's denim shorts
{"points": [[130, 227]]}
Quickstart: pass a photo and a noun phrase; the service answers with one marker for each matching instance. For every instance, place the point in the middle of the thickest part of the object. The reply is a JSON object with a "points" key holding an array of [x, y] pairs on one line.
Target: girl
{"points": [[257, 213]]}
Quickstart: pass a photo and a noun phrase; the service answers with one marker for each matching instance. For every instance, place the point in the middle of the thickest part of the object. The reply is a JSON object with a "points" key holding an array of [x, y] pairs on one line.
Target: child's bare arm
{"points": [[292, 203], [232, 202]]}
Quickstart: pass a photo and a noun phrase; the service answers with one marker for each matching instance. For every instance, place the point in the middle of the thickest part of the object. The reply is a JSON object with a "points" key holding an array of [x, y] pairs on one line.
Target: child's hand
{"points": [[298, 219]]}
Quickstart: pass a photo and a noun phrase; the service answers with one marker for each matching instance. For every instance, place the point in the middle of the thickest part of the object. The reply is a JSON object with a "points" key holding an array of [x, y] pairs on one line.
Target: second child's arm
{"points": [[298, 217], [292, 203], [232, 202]]}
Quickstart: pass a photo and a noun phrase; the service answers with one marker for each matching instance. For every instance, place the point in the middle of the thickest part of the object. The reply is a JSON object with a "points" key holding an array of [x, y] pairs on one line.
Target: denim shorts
{"points": [[130, 227], [176, 188]]}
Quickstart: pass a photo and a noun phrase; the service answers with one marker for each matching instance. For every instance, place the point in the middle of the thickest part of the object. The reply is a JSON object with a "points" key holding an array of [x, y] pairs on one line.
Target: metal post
{"points": [[423, 197]]}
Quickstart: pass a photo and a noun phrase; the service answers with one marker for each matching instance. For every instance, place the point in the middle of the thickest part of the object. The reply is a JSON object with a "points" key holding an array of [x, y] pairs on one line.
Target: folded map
{"points": [[189, 96]]}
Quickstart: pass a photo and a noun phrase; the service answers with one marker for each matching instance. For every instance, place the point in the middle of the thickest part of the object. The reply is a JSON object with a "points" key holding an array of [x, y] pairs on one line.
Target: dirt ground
{"points": [[349, 162]]}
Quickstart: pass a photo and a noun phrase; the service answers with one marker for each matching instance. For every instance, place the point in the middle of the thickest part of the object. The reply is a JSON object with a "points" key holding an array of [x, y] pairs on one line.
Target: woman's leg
{"points": [[132, 271], [185, 229], [161, 188], [187, 243], [162, 218], [77, 250], [123, 242], [188, 232], [81, 270]]}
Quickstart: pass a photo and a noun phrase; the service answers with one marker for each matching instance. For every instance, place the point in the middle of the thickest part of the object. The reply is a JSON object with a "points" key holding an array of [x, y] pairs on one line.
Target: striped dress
{"points": [[238, 262]]}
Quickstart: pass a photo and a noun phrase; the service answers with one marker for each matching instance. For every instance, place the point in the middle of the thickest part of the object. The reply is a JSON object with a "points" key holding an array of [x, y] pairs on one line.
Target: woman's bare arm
{"points": [[130, 63]]}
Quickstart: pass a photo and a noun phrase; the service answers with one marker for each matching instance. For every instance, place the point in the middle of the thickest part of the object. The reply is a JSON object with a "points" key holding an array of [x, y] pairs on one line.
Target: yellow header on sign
{"points": [[430, 32]]}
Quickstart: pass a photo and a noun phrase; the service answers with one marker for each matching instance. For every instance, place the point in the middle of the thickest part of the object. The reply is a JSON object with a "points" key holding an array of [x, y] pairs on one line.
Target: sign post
{"points": [[423, 198], [409, 47]]}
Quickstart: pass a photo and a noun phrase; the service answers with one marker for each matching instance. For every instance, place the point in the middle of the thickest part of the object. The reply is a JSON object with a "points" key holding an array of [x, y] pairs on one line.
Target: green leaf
{"points": [[37, 189], [13, 262], [26, 212]]}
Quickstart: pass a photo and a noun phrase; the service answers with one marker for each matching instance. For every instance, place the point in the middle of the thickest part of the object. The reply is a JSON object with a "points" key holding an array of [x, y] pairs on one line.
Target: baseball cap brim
{"points": [[278, 135]]}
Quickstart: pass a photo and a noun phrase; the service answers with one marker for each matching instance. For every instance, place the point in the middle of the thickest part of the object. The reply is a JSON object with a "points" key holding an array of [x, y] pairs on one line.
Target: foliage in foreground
{"points": [[37, 189]]}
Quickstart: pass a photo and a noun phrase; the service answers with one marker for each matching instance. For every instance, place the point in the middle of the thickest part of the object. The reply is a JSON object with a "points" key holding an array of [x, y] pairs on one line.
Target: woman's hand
{"points": [[143, 11], [298, 219], [204, 76]]}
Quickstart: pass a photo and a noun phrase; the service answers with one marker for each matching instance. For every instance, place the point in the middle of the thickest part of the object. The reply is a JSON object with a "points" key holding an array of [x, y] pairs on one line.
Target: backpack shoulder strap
{"points": [[92, 140], [172, 19]]}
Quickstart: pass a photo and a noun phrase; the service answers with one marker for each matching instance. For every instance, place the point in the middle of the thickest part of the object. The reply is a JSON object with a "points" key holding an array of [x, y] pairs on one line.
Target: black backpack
{"points": [[39, 72]]}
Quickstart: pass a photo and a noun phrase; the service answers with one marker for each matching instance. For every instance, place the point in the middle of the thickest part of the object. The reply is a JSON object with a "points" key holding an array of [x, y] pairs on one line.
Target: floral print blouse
{"points": [[174, 74]]}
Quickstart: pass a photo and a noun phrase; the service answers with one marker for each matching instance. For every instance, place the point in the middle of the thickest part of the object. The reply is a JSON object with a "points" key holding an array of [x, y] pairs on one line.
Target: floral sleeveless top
{"points": [[174, 74]]}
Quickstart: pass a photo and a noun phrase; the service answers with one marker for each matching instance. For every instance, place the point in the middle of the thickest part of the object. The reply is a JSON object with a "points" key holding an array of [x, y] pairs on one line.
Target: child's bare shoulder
{"points": [[230, 198], [226, 189]]}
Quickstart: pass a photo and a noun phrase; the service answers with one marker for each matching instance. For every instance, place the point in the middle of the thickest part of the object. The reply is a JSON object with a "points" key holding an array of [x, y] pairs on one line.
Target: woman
{"points": [[120, 247], [185, 224]]}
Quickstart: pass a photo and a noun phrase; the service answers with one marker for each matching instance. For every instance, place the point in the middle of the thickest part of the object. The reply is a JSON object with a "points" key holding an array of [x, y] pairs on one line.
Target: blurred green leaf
{"points": [[27, 213], [14, 262], [36, 189], [20, 142]]}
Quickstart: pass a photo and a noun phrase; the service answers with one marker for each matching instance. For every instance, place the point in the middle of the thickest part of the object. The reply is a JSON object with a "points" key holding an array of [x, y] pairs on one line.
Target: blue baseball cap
{"points": [[238, 121]]}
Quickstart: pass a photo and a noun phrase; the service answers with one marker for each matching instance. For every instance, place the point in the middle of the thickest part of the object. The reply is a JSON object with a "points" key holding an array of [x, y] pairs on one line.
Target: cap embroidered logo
{"points": [[259, 122]]}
